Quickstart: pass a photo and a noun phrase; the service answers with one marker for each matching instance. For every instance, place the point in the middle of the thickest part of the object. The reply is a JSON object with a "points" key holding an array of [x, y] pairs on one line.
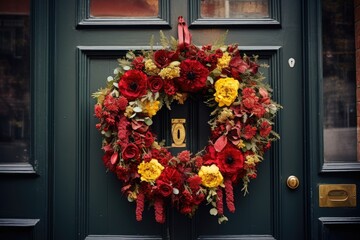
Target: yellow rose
{"points": [[210, 176], [151, 108], [226, 91], [169, 72], [150, 171]]}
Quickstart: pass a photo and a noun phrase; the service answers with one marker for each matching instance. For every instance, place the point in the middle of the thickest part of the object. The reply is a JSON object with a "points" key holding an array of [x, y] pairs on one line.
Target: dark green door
{"points": [[88, 203]]}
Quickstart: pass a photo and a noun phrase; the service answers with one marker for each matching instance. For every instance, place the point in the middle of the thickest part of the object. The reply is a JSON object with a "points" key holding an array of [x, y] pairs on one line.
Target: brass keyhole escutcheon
{"points": [[178, 132], [292, 182]]}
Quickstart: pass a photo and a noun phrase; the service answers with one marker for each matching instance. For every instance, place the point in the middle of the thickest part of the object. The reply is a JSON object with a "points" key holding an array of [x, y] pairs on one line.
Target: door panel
{"points": [[88, 203]]}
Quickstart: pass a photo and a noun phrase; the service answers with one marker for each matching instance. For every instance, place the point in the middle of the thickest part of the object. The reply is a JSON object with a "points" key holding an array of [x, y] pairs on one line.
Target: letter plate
{"points": [[337, 195], [178, 132]]}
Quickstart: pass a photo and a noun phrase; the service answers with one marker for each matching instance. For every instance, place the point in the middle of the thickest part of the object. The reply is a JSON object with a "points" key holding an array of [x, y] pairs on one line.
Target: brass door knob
{"points": [[292, 182]]}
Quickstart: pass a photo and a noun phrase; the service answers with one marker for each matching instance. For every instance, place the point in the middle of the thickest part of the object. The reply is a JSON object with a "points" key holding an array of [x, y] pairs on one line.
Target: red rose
{"points": [[164, 188], [122, 173], [155, 83], [265, 129], [131, 151], [149, 139], [171, 176], [247, 92], [193, 76], [163, 58], [133, 84], [249, 132], [230, 159]]}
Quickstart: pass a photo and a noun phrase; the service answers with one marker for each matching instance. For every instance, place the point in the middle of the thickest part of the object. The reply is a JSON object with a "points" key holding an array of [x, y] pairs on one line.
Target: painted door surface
{"points": [[88, 203]]}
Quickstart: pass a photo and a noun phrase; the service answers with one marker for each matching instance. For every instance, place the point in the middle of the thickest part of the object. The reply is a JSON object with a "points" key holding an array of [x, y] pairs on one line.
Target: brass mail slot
{"points": [[337, 195]]}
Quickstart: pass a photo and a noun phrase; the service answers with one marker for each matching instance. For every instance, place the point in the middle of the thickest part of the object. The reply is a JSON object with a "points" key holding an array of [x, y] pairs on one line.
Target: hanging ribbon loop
{"points": [[183, 32]]}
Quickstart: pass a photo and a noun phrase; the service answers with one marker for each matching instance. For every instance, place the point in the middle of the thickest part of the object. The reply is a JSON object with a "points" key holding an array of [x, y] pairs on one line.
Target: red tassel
{"points": [[219, 202], [139, 206], [229, 195], [183, 32], [159, 210]]}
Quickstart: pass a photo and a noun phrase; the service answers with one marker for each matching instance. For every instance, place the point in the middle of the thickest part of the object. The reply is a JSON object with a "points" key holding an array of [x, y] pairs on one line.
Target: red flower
{"points": [[265, 129], [258, 110], [171, 176], [131, 151], [249, 98], [194, 183], [149, 139], [138, 63], [155, 83], [230, 160], [165, 189], [249, 132], [110, 104], [237, 66], [133, 84], [184, 156], [169, 87], [163, 58], [139, 206], [98, 110], [122, 103], [193, 76], [122, 173]]}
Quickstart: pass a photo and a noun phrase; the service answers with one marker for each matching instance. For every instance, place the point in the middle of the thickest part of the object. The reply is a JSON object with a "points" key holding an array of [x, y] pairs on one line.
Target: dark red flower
{"points": [[164, 188], [184, 156], [155, 83], [249, 132], [172, 176], [122, 173], [265, 129], [169, 87], [149, 139], [163, 58], [131, 151], [230, 160], [237, 66], [133, 84], [193, 76], [194, 183]]}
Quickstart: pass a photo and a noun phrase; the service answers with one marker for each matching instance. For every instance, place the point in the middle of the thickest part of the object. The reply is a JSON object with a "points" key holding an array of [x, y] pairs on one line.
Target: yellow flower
{"points": [[150, 171], [210, 176], [226, 91], [225, 115], [150, 67], [241, 144], [252, 160], [151, 108], [169, 72], [223, 62]]}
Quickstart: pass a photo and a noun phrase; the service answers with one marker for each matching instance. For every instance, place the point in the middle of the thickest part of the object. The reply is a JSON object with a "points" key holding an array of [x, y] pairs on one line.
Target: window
{"points": [[14, 81], [339, 81]]}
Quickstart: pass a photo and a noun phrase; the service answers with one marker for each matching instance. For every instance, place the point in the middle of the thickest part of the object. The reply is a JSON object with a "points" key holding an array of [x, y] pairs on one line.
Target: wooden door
{"points": [[88, 203]]}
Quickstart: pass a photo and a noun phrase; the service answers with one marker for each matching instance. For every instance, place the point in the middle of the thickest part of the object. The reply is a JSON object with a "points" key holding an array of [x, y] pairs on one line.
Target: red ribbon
{"points": [[183, 32]]}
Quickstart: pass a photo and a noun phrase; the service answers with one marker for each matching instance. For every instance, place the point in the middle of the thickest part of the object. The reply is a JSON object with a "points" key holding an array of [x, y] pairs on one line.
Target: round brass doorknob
{"points": [[292, 182]]}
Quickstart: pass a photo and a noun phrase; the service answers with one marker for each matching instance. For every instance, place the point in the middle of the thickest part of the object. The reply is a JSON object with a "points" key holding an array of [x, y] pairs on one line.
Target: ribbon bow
{"points": [[183, 32]]}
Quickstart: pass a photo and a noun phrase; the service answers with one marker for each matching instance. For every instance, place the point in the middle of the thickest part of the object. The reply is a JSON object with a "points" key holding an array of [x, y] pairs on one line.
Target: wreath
{"points": [[241, 124]]}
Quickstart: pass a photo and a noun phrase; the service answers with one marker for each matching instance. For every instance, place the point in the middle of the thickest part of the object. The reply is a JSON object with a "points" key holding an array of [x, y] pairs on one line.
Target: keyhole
{"points": [[178, 133]]}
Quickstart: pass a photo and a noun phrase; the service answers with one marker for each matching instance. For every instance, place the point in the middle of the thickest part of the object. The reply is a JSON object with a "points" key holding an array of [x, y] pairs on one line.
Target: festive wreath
{"points": [[241, 124]]}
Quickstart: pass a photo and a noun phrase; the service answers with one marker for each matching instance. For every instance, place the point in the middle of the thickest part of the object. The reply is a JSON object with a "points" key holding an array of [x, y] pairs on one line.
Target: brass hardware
{"points": [[337, 195], [292, 182], [178, 132]]}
